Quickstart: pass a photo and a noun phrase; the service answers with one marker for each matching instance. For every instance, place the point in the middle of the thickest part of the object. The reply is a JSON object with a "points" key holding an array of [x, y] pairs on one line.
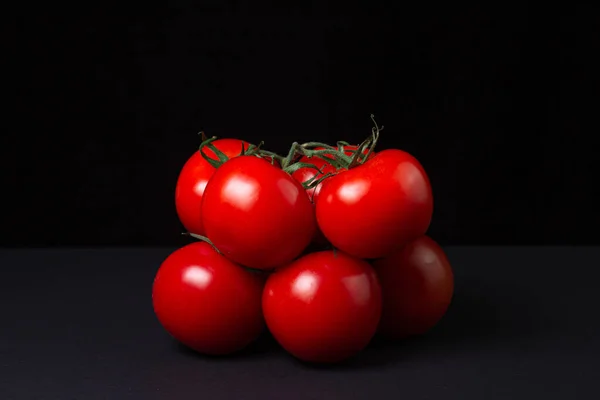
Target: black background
{"points": [[497, 103], [103, 105]]}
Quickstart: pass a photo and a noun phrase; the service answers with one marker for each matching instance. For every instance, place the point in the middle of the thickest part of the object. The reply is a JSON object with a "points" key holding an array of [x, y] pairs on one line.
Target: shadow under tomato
{"points": [[485, 314], [480, 317], [265, 346], [379, 354]]}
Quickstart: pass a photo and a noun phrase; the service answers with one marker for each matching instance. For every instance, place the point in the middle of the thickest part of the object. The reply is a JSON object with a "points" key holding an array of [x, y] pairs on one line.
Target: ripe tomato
{"points": [[417, 284], [370, 210], [207, 302], [193, 179], [324, 307], [305, 174], [256, 214]]}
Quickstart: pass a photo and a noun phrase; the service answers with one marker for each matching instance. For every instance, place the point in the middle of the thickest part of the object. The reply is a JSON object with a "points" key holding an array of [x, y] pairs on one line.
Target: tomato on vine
{"points": [[417, 283], [373, 203], [323, 166], [256, 214], [207, 302], [323, 307], [371, 209], [193, 178]]}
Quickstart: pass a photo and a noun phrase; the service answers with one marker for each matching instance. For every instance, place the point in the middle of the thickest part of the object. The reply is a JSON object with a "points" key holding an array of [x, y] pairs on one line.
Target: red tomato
{"points": [[323, 307], [305, 174], [271, 161], [207, 302], [256, 214], [370, 210], [193, 179], [417, 284]]}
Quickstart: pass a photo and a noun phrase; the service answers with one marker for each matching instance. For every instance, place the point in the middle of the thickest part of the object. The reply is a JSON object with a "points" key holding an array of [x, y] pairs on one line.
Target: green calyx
{"points": [[251, 150], [207, 240]]}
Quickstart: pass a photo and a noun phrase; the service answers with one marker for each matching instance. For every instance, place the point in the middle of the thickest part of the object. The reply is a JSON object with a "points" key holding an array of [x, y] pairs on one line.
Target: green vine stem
{"points": [[375, 135], [251, 150], [290, 169], [207, 240], [203, 239], [309, 145], [269, 154], [337, 157], [356, 158], [222, 157]]}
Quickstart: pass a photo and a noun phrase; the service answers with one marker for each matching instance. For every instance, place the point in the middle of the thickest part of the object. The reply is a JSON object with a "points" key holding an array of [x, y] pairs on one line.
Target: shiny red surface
{"points": [[305, 174], [323, 307], [192, 181], [207, 302], [370, 210], [418, 284], [257, 214]]}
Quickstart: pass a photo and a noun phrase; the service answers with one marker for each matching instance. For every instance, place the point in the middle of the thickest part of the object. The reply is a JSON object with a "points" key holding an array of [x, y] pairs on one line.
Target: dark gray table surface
{"points": [[78, 324]]}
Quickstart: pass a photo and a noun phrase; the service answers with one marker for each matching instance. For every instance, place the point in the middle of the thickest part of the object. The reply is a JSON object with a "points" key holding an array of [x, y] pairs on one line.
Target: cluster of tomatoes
{"points": [[326, 247]]}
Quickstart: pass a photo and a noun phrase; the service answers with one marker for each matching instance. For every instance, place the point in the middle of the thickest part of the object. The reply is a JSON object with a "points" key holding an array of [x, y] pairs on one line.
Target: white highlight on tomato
{"points": [[198, 277], [412, 182], [305, 286], [430, 264], [240, 193], [351, 193], [289, 189], [200, 186], [359, 288]]}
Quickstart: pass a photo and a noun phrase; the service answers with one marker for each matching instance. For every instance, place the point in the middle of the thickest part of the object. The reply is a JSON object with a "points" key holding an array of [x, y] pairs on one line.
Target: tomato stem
{"points": [[222, 158], [204, 239], [316, 180], [290, 157], [341, 146], [339, 160], [290, 169], [273, 156], [375, 133], [308, 145], [251, 150], [356, 158], [336, 156]]}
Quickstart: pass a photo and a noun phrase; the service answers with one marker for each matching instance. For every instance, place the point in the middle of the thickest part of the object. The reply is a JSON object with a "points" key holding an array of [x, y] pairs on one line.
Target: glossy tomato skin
{"points": [[256, 214], [370, 210], [323, 307], [417, 283], [305, 174], [192, 180], [207, 302]]}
